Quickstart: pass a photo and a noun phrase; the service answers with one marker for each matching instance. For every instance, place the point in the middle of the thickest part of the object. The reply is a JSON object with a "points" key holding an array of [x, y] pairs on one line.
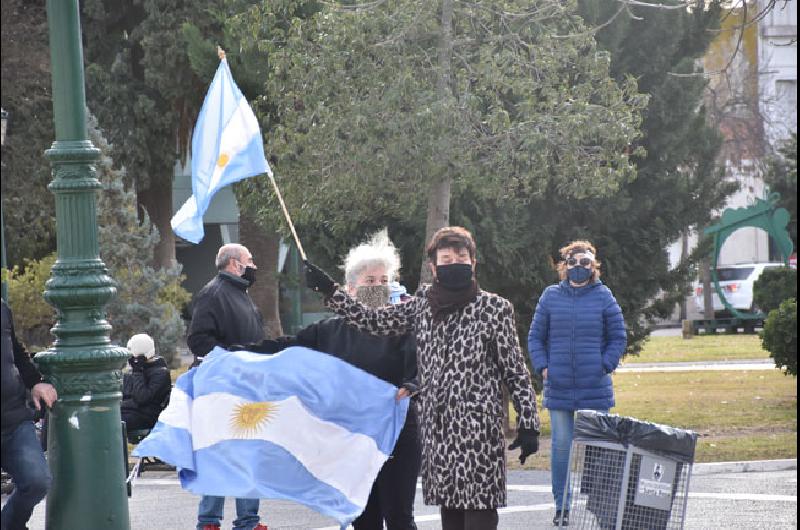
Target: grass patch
{"points": [[700, 348], [739, 415], [711, 403], [755, 446]]}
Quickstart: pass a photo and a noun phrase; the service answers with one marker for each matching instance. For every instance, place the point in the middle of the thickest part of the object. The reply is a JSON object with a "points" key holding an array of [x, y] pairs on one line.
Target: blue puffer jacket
{"points": [[578, 334]]}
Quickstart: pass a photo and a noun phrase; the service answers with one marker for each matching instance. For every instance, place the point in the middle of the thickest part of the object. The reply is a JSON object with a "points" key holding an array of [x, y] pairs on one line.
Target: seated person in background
{"points": [[146, 387]]}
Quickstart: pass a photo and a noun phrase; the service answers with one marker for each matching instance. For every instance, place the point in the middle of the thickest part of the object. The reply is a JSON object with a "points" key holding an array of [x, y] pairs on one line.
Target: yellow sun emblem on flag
{"points": [[249, 418], [223, 159]]}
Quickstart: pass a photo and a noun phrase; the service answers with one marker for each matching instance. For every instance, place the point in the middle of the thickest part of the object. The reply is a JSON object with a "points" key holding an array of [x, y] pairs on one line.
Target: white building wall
{"points": [[777, 68]]}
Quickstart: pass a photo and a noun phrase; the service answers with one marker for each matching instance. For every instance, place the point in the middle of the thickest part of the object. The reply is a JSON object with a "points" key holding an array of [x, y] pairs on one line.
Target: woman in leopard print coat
{"points": [[467, 348]]}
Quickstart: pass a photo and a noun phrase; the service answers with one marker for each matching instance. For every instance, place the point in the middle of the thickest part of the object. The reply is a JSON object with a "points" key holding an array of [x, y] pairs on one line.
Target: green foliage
{"points": [[145, 94], [539, 129], [781, 177], [28, 207], [678, 184], [139, 82], [148, 300], [33, 317], [773, 287], [779, 336], [522, 110]]}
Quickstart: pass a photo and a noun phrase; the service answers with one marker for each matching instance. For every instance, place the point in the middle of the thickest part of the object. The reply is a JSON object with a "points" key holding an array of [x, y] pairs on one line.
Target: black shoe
{"points": [[561, 518]]}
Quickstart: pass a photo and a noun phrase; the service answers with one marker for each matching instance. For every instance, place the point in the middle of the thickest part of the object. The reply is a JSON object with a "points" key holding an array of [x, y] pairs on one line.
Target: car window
{"points": [[730, 275]]}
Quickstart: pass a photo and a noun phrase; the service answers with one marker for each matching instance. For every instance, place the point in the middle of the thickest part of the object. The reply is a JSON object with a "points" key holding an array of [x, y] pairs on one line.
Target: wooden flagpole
{"points": [[288, 217]]}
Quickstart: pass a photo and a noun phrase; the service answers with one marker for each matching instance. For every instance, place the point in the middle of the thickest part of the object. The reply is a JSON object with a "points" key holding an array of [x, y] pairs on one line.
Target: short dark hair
{"points": [[455, 237]]}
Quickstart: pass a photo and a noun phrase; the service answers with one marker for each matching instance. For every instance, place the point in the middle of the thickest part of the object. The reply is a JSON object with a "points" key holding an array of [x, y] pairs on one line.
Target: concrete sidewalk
{"points": [[748, 495], [744, 364]]}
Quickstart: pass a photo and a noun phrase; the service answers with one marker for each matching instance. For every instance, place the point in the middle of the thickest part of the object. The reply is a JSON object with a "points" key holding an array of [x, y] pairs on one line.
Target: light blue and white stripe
{"points": [[329, 429], [226, 147]]}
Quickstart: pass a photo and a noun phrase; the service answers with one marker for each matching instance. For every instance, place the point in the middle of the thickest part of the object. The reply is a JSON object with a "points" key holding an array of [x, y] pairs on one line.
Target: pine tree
{"points": [[145, 95], [148, 300], [677, 185]]}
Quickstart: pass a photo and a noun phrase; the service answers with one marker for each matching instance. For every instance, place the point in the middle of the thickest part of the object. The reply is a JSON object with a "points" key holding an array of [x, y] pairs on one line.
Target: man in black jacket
{"points": [[224, 314], [369, 270], [146, 387], [22, 455]]}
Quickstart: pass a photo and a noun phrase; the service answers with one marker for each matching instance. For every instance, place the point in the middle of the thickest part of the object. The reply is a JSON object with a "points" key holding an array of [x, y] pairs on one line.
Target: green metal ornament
{"points": [[762, 214]]}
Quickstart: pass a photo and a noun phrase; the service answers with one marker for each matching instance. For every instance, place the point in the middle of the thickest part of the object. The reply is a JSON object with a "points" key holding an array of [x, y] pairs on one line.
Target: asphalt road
{"points": [[751, 500]]}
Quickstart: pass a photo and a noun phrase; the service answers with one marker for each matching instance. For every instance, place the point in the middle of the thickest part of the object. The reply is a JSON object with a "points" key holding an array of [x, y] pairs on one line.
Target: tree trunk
{"points": [[157, 200], [684, 256], [438, 217], [439, 194], [264, 245]]}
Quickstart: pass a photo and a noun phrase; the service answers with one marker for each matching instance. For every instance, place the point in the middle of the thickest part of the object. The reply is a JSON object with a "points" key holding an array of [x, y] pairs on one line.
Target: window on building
{"points": [[786, 94]]}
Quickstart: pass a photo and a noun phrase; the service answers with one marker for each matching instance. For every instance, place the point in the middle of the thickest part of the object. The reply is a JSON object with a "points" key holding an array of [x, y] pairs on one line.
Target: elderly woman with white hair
{"points": [[369, 270]]}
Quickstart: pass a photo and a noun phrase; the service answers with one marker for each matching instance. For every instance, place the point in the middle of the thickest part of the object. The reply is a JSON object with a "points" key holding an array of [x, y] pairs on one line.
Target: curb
{"points": [[711, 468]]}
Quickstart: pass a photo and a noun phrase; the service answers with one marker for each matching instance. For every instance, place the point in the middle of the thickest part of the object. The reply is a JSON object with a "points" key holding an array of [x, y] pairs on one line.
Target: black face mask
{"points": [[455, 276], [249, 275]]}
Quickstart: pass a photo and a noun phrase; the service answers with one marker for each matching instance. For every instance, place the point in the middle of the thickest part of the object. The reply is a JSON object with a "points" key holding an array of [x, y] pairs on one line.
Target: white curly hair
{"points": [[378, 250]]}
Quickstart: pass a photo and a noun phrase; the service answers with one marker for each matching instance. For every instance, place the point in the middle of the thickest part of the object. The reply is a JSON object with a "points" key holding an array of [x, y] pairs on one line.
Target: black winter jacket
{"points": [[145, 390], [17, 374], [393, 359], [223, 314]]}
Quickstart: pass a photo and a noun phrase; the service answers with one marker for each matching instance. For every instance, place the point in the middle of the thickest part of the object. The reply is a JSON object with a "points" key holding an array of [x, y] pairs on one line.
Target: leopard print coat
{"points": [[462, 362]]}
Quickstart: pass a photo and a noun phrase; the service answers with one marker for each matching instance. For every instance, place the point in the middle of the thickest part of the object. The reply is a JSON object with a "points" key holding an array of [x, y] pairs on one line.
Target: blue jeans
{"points": [[23, 459], [562, 425], [212, 508]]}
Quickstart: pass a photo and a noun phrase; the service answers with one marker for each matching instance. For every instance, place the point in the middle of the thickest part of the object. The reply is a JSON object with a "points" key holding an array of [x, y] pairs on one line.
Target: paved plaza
{"points": [[720, 496]]}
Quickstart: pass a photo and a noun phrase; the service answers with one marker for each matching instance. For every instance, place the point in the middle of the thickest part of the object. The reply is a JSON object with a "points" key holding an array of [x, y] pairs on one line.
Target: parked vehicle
{"points": [[736, 282]]}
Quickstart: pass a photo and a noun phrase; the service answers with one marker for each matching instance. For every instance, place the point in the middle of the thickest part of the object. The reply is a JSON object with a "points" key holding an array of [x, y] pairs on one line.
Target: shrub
{"points": [[779, 336], [33, 317], [773, 287]]}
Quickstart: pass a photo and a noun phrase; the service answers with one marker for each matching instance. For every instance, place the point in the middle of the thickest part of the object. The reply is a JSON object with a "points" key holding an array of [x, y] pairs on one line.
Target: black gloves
{"points": [[318, 280], [528, 442], [137, 362]]}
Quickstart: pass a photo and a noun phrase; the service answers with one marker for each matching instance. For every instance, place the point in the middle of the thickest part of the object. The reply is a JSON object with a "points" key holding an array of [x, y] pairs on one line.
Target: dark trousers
{"points": [[455, 519], [135, 421], [392, 497], [23, 459]]}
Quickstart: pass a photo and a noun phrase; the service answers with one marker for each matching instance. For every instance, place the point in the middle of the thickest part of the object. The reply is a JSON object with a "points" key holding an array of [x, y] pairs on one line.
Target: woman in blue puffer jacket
{"points": [[576, 340]]}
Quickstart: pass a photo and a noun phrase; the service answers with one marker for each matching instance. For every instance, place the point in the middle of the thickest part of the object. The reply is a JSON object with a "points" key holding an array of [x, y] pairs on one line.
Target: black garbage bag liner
{"points": [[664, 440]]}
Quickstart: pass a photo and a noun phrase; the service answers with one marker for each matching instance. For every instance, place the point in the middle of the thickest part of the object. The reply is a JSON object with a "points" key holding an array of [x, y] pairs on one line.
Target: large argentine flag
{"points": [[299, 425], [226, 148]]}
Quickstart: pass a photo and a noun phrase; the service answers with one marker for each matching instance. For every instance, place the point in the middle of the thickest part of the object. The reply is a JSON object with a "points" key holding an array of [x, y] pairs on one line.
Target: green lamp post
{"points": [[85, 449]]}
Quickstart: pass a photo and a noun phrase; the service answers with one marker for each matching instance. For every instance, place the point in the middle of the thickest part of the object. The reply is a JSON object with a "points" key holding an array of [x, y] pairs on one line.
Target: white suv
{"points": [[736, 282]]}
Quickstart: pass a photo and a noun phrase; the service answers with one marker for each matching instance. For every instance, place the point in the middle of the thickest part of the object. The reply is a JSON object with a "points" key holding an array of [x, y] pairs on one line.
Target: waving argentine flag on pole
{"points": [[299, 425], [226, 147]]}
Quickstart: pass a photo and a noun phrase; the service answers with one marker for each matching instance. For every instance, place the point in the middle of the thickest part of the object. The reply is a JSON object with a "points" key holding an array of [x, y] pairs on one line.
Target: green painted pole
{"points": [[85, 439]]}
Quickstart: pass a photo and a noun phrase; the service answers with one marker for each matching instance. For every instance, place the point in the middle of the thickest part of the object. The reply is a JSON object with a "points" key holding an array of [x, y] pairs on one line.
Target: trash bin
{"points": [[627, 474]]}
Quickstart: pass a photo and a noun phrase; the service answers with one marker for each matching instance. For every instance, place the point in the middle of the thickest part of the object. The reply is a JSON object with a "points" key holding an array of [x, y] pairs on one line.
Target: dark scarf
{"points": [[444, 301]]}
